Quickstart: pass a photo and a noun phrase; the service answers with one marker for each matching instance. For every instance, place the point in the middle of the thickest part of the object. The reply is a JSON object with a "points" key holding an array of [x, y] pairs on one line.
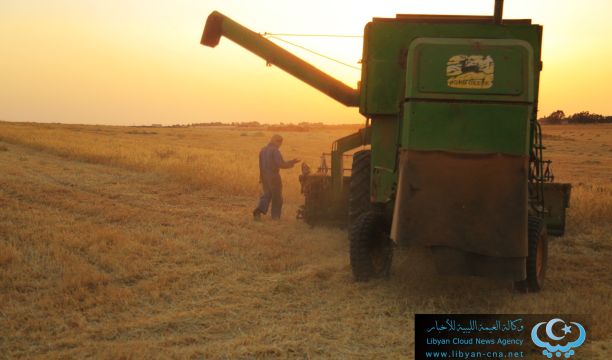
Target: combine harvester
{"points": [[455, 151]]}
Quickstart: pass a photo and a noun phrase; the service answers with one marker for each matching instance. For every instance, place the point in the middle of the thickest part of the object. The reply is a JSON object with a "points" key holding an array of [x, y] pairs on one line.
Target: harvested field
{"points": [[120, 242]]}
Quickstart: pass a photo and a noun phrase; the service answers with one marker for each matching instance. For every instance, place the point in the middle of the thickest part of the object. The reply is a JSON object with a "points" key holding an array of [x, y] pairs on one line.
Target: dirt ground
{"points": [[103, 257]]}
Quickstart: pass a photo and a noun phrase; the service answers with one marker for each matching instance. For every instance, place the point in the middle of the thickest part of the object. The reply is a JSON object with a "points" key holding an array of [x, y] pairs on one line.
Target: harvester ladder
{"points": [[539, 170]]}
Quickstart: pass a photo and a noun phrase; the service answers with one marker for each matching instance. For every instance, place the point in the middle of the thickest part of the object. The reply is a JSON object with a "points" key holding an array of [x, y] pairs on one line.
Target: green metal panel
{"points": [[466, 127], [361, 138], [385, 138], [468, 95], [467, 67], [405, 73], [386, 44]]}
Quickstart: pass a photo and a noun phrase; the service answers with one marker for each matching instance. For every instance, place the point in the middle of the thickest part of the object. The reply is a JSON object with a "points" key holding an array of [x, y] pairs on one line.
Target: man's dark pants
{"points": [[272, 193]]}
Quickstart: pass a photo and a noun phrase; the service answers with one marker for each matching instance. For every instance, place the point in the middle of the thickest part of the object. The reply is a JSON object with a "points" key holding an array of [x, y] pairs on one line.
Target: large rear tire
{"points": [[371, 248], [537, 257], [359, 188]]}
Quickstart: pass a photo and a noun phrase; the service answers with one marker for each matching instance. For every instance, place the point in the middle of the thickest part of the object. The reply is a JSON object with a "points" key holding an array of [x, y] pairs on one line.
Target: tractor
{"points": [[451, 152]]}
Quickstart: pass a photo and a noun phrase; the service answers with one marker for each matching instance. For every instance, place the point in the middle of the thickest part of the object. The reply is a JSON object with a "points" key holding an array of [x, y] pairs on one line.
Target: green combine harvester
{"points": [[453, 157]]}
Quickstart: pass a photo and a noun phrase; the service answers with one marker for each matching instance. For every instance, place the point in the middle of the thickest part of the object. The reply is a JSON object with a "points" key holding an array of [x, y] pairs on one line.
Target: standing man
{"points": [[270, 162]]}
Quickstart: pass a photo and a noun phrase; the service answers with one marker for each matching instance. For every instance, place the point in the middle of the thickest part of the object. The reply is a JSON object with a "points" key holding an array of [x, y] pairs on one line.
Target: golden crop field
{"points": [[124, 242]]}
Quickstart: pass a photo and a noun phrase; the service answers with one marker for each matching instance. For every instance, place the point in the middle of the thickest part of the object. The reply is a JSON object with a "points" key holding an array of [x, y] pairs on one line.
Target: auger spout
{"points": [[218, 25]]}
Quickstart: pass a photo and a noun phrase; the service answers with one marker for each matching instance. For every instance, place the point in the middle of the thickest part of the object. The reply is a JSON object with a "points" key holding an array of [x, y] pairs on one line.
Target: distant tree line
{"points": [[256, 124], [558, 117], [212, 123], [301, 126]]}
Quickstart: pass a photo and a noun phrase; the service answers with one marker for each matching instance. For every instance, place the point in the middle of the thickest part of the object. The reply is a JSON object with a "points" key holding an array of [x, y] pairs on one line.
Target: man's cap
{"points": [[276, 139]]}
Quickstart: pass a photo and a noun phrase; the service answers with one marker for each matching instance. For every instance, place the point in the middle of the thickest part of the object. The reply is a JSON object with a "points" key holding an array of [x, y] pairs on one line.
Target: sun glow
{"points": [[139, 62]]}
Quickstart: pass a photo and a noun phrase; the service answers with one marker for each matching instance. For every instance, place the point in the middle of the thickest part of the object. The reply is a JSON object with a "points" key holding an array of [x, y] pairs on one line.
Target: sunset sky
{"points": [[137, 62]]}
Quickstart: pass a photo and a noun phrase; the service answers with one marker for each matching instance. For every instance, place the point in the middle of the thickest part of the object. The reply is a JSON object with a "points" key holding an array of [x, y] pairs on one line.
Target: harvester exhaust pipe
{"points": [[499, 10], [218, 25]]}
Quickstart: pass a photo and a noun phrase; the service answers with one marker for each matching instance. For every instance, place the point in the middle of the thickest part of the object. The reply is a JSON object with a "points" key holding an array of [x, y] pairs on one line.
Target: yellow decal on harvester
{"points": [[470, 71]]}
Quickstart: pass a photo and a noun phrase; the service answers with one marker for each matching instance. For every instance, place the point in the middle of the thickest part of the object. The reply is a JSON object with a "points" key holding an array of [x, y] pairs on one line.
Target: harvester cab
{"points": [[453, 157]]}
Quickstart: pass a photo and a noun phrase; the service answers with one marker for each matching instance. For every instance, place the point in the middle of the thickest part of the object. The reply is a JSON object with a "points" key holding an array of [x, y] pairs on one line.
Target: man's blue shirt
{"points": [[270, 161]]}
